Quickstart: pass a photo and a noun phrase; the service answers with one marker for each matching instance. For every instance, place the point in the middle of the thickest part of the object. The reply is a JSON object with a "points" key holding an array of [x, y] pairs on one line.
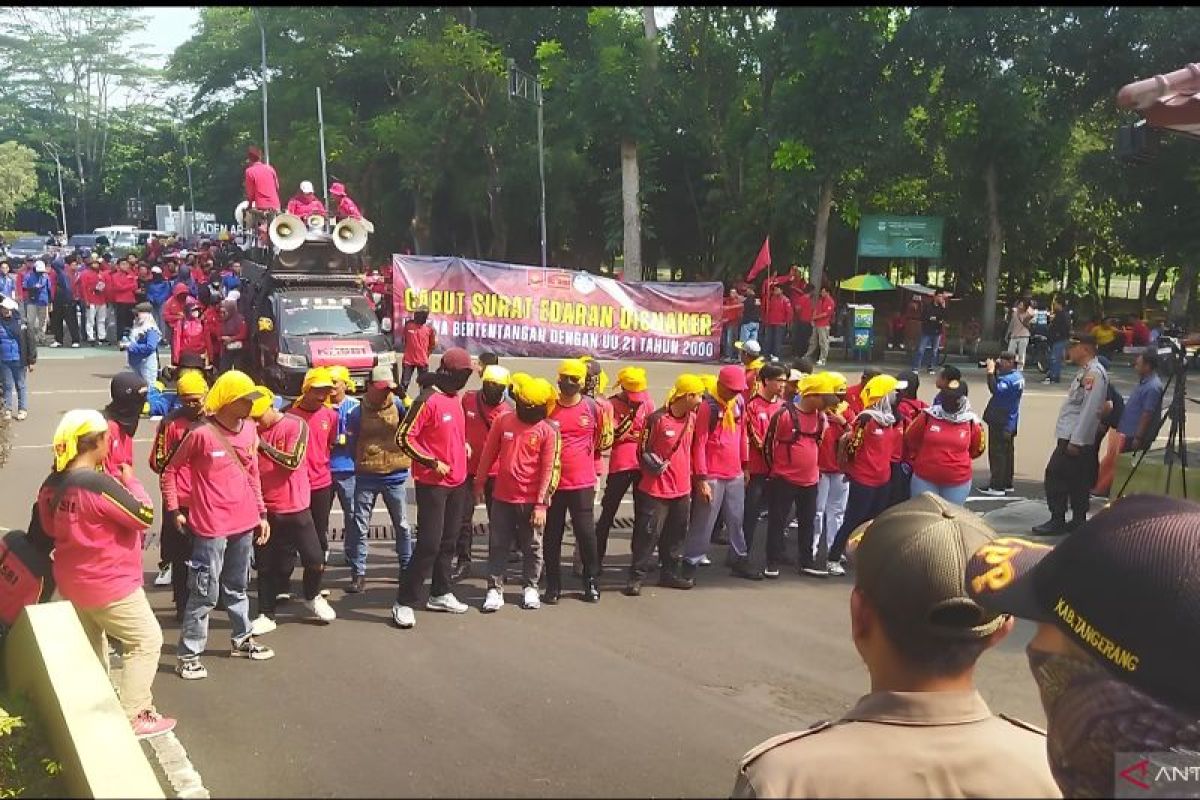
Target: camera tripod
{"points": [[1176, 414]]}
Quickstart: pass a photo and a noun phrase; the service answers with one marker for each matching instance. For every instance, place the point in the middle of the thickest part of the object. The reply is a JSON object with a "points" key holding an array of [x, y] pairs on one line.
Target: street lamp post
{"points": [[62, 203], [187, 162], [519, 83], [262, 32]]}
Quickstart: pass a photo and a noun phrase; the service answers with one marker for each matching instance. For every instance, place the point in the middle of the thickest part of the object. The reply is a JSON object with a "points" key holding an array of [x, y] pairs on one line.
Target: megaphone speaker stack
{"points": [[350, 236], [287, 232]]}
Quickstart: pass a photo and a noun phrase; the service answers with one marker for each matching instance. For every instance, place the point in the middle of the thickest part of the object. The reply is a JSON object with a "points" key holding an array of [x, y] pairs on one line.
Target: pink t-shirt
{"points": [[579, 428], [630, 410], [719, 452], [283, 466], [96, 524], [667, 435], [322, 431], [435, 430], [226, 485]]}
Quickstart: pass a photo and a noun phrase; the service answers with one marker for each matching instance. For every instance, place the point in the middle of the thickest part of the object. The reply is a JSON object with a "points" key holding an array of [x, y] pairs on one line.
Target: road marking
{"points": [[44, 446], [70, 391], [628, 501]]}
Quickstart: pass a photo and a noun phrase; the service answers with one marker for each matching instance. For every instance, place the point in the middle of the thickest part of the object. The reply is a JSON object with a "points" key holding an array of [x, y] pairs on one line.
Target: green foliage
{"points": [[18, 177], [27, 768]]}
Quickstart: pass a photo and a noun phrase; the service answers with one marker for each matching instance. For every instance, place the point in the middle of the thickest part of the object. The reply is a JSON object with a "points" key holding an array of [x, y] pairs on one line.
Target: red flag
{"points": [[762, 262]]}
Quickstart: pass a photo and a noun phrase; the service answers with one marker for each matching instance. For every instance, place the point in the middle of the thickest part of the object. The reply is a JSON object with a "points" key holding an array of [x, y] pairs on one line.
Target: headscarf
{"points": [[231, 386], [710, 383], [266, 399], [315, 376], [877, 400], [340, 373], [128, 391], [632, 379], [963, 414], [71, 428], [191, 382], [685, 384], [728, 409]]}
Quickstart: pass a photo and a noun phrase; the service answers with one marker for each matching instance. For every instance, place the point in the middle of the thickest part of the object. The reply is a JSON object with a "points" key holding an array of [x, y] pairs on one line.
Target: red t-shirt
{"points": [[418, 344], [523, 458], [96, 524], [262, 186], [122, 286], [944, 450], [226, 485], [719, 452], [480, 418], [171, 430], [907, 410], [779, 310], [758, 416], [434, 429], [823, 311], [827, 460], [281, 462], [731, 311], [630, 410], [665, 433], [579, 426], [322, 431], [803, 308], [89, 287], [871, 449], [120, 449], [794, 446]]}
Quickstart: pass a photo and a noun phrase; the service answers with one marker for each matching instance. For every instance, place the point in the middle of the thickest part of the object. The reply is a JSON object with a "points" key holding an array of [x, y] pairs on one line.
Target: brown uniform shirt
{"points": [[904, 744]]}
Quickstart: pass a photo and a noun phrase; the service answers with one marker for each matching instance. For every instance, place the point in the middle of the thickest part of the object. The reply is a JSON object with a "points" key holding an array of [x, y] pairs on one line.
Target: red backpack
{"points": [[25, 571]]}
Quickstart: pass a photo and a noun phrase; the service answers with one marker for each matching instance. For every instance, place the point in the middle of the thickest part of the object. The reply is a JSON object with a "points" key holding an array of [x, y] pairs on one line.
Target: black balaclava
{"points": [[421, 317], [492, 393], [449, 382], [530, 415], [128, 390], [568, 387], [592, 383]]}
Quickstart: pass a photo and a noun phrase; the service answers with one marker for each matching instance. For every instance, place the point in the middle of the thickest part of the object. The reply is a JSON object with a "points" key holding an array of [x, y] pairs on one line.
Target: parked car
{"points": [[32, 247], [84, 244]]}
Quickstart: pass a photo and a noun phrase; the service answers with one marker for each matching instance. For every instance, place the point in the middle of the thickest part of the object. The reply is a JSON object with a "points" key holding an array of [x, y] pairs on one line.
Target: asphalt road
{"points": [[652, 696]]}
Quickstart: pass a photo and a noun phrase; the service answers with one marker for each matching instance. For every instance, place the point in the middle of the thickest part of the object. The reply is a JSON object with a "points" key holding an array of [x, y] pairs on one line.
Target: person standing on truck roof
{"points": [[419, 341], [261, 182], [305, 203]]}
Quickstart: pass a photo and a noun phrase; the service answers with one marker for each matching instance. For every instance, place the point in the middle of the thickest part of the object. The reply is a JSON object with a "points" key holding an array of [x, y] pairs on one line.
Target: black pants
{"points": [[229, 359], [60, 313], [756, 491], [439, 515], [78, 312], [466, 535], [1068, 480], [803, 335], [864, 503], [320, 505], [511, 527], [1000, 457], [615, 487], [579, 502], [124, 318], [407, 372], [900, 486], [782, 498], [291, 535], [657, 523], [175, 548]]}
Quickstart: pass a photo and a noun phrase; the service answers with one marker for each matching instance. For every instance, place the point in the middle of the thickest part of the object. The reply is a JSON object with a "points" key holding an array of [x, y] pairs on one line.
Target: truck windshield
{"points": [[328, 316]]}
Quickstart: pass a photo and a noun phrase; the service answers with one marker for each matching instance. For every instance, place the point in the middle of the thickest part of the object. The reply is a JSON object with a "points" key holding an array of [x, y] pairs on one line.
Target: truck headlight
{"points": [[386, 359], [292, 361]]}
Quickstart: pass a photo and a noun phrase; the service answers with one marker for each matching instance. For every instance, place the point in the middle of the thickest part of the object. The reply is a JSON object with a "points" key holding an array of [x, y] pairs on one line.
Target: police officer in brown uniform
{"points": [[928, 731]]}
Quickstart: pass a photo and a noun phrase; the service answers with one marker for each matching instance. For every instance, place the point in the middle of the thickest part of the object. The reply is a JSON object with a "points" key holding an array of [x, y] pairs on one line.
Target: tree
{"points": [[18, 177]]}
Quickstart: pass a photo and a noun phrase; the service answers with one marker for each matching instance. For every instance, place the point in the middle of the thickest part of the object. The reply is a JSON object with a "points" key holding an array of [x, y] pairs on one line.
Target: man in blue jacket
{"points": [[158, 290], [37, 299], [63, 306], [144, 338], [18, 354], [1007, 385]]}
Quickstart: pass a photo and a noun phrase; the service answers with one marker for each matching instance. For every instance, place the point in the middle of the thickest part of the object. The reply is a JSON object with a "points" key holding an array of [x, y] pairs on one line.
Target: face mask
{"points": [[568, 387], [530, 415], [453, 382], [492, 393], [951, 404]]}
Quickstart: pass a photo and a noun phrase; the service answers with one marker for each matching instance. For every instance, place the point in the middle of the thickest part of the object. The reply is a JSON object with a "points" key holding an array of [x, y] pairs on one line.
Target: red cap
{"points": [[337, 189], [456, 358], [733, 378]]}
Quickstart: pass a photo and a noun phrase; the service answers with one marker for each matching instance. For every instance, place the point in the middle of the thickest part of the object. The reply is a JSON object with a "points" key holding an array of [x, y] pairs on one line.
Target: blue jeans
{"points": [[749, 331], [927, 342], [358, 525], [147, 368], [772, 342], [343, 485], [12, 376], [951, 493], [218, 566], [1058, 354], [727, 340]]}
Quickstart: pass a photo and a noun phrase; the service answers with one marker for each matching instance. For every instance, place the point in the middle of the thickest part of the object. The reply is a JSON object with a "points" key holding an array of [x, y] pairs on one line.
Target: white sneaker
{"points": [[494, 601], [530, 599], [324, 593], [22, 414], [55, 344], [74, 344], [163, 578], [319, 608], [821, 363], [262, 625], [990, 492], [403, 616], [705, 561], [836, 568], [446, 602]]}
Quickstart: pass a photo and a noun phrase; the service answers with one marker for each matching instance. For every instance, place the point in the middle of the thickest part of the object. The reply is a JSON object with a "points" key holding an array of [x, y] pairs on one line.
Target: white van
{"points": [[122, 238]]}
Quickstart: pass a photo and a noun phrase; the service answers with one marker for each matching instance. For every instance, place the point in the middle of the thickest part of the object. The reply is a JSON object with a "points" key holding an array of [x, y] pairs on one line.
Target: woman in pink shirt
{"points": [[630, 407], [226, 512], [96, 523]]}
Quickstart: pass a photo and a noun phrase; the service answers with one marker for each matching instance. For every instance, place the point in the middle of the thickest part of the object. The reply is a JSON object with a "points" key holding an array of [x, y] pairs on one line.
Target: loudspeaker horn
{"points": [[239, 213], [287, 232], [350, 236]]}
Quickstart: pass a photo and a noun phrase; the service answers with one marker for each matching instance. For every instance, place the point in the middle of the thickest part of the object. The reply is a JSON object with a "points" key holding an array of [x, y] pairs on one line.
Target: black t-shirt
{"points": [[1060, 326], [931, 321], [750, 310]]}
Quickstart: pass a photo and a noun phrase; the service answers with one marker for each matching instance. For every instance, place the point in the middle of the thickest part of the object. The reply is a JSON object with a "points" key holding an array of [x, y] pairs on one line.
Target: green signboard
{"points": [[886, 236]]}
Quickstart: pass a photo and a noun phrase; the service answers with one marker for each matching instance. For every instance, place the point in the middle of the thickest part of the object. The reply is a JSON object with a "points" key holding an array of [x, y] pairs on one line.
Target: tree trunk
{"points": [[648, 22], [995, 248], [1159, 277], [422, 222], [631, 207], [1143, 278], [821, 237], [499, 245], [475, 235], [1181, 294]]}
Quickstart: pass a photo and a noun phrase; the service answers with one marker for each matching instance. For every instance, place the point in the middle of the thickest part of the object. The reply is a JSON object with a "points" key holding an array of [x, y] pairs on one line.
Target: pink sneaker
{"points": [[149, 723]]}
